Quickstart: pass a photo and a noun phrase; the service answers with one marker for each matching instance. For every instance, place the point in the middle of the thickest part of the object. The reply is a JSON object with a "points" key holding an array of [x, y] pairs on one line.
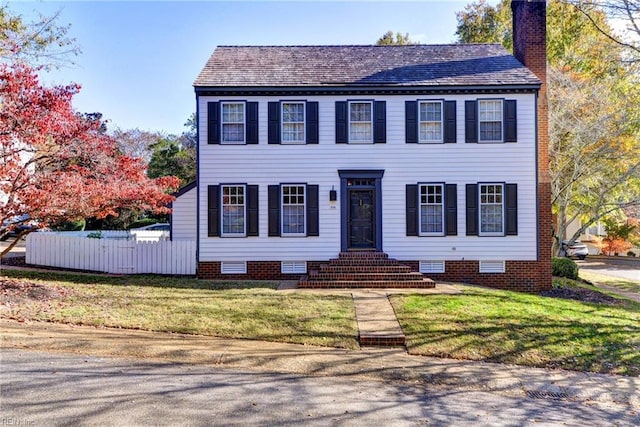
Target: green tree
{"points": [[389, 38], [480, 22], [625, 11], [170, 159], [40, 43]]}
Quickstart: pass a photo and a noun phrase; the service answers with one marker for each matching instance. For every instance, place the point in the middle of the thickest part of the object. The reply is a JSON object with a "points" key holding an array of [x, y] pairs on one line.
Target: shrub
{"points": [[565, 267], [71, 226]]}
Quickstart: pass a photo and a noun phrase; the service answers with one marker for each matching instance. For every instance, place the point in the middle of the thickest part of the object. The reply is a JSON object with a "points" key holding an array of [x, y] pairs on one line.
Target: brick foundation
{"points": [[523, 276], [256, 270]]}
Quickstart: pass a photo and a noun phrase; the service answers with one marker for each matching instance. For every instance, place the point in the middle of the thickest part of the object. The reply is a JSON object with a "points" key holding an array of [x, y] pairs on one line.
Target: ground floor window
{"points": [[431, 209], [491, 209], [233, 210], [293, 210]]}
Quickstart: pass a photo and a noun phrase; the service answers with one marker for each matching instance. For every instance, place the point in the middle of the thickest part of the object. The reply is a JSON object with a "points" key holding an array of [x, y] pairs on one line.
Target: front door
{"points": [[361, 209], [361, 219]]}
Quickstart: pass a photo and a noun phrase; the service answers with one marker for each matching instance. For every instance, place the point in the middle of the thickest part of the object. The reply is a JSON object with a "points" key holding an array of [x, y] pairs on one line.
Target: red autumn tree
{"points": [[58, 165]]}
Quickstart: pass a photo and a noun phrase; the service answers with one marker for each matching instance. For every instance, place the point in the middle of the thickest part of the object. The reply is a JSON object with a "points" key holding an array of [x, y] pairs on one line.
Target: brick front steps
{"points": [[364, 270]]}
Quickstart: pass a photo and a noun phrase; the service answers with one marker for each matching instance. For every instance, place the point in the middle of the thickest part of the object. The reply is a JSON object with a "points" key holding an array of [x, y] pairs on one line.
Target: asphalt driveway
{"points": [[621, 267]]}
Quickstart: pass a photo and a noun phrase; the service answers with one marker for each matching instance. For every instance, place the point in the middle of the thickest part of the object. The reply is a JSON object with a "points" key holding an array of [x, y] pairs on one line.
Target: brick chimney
{"points": [[530, 35], [530, 48]]}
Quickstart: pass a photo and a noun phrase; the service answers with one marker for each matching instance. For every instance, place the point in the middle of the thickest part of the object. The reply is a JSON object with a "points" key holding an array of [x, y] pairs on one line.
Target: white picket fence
{"points": [[116, 252]]}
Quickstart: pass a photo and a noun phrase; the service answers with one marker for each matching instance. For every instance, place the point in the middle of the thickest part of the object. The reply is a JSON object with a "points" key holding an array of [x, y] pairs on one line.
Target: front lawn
{"points": [[479, 324], [511, 327], [252, 310]]}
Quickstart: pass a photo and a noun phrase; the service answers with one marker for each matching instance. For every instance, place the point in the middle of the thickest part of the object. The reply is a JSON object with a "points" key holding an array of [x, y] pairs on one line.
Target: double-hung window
{"points": [[430, 121], [233, 210], [233, 122], [490, 120], [491, 209], [293, 122], [293, 210], [431, 210], [360, 121]]}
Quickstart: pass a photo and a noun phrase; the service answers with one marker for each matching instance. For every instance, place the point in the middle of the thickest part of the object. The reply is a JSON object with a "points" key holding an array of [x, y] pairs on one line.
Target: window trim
{"points": [[371, 120], [244, 123], [442, 123], [502, 232], [304, 210], [480, 121], [222, 205], [442, 209], [304, 122]]}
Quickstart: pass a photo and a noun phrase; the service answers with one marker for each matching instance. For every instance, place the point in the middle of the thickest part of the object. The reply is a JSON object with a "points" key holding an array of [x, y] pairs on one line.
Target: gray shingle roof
{"points": [[329, 66]]}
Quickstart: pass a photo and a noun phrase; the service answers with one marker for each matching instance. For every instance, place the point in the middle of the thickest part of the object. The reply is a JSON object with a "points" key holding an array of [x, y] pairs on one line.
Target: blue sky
{"points": [[139, 59]]}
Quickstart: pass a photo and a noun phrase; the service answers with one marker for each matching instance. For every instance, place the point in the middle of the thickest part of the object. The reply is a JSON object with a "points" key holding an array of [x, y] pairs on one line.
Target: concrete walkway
{"points": [[377, 321]]}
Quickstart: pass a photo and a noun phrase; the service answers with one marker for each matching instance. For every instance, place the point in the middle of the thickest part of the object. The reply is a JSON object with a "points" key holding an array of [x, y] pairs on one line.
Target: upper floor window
{"points": [[490, 119], [491, 209], [233, 123], [293, 122], [293, 210], [431, 209], [233, 210], [360, 121], [430, 121]]}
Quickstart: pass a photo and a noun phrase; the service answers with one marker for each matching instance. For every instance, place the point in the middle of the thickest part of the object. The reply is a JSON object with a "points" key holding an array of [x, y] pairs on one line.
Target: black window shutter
{"points": [[411, 122], [252, 122], [312, 130], [451, 212], [274, 210], [252, 211], [341, 122], [510, 121], [213, 122], [472, 209], [213, 210], [412, 209], [511, 223], [313, 211], [450, 122], [470, 121], [380, 122], [273, 123]]}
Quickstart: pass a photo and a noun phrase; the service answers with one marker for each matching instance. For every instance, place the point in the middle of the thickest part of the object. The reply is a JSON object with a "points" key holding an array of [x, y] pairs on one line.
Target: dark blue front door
{"points": [[361, 219]]}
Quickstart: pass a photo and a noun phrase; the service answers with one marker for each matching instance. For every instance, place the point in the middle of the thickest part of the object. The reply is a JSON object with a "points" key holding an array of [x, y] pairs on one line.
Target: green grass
{"points": [[479, 324], [252, 309], [511, 327], [616, 282]]}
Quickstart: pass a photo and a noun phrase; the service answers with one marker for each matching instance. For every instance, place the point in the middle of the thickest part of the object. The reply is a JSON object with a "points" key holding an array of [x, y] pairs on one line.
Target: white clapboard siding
{"points": [[460, 163], [111, 255], [183, 218]]}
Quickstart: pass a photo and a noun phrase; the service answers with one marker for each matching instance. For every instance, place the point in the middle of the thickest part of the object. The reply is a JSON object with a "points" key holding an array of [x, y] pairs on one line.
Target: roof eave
{"points": [[362, 89]]}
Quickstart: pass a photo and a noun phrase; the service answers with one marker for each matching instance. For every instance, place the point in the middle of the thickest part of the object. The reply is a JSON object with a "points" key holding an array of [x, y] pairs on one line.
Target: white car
{"points": [[575, 249], [159, 226]]}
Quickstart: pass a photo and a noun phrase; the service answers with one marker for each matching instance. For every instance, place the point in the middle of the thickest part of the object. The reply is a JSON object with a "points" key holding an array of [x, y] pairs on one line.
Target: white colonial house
{"points": [[432, 157]]}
